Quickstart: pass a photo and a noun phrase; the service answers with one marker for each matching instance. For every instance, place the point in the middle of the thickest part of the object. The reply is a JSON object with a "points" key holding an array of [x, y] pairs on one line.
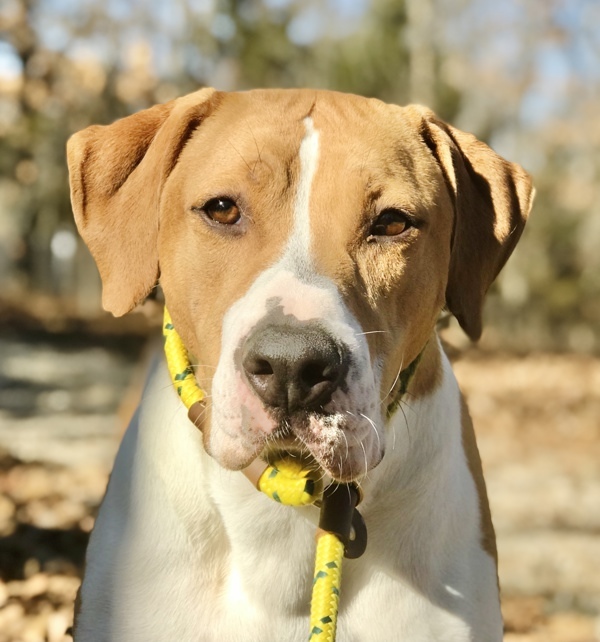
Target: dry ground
{"points": [[538, 423]]}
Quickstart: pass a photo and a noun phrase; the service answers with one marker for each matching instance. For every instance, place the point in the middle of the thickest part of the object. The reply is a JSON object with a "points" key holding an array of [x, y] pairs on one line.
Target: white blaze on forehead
{"points": [[297, 251], [349, 437]]}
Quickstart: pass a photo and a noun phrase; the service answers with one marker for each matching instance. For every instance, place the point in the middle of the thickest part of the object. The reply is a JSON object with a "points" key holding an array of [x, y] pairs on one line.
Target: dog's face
{"points": [[309, 251], [306, 243]]}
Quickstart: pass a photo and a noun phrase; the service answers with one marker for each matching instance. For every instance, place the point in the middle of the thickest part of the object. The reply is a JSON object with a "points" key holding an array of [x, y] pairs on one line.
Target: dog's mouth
{"points": [[320, 442], [285, 442], [293, 449]]}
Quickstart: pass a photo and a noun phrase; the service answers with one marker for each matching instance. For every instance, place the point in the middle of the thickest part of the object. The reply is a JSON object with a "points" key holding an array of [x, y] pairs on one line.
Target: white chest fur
{"points": [[184, 550]]}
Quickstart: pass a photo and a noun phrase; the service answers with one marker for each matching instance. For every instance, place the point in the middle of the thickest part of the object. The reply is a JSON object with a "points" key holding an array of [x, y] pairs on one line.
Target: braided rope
{"points": [[290, 483], [180, 368], [286, 481], [326, 588]]}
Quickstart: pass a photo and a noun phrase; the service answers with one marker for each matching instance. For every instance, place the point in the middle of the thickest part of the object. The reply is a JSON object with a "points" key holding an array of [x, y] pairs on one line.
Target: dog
{"points": [[306, 242]]}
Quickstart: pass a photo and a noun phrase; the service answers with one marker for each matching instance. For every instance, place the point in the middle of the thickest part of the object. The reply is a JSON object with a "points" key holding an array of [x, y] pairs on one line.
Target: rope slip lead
{"points": [[342, 531]]}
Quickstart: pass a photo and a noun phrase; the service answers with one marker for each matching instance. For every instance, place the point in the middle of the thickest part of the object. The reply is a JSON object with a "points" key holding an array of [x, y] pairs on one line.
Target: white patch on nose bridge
{"points": [[349, 437], [297, 251]]}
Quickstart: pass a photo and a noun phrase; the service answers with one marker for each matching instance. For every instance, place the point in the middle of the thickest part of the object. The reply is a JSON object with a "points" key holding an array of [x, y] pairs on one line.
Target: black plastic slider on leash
{"points": [[340, 517]]}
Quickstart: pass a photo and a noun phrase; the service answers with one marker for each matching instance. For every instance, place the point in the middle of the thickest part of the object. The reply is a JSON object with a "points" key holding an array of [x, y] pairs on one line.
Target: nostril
{"points": [[258, 367], [315, 372], [293, 368], [261, 376]]}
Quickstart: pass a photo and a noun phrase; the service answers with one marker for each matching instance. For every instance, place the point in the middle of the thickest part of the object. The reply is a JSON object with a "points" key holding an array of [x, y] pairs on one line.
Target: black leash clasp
{"points": [[340, 517]]}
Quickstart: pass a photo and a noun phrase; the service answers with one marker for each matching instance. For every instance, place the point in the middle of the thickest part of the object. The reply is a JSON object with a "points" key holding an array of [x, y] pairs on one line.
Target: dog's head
{"points": [[306, 242]]}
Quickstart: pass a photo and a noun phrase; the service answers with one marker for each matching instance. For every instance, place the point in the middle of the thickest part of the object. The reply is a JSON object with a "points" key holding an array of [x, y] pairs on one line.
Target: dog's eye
{"points": [[390, 222], [222, 210]]}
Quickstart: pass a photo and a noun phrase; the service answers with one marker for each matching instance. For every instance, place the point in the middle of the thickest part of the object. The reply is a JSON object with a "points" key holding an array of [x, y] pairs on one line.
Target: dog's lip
{"points": [[275, 452], [288, 446], [286, 442], [291, 445]]}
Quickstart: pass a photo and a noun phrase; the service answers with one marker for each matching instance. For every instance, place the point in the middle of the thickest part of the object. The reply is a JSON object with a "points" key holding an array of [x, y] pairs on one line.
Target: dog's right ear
{"points": [[117, 173]]}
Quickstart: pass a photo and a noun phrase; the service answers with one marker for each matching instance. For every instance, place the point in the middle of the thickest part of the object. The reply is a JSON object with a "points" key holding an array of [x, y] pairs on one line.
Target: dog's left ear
{"points": [[492, 200]]}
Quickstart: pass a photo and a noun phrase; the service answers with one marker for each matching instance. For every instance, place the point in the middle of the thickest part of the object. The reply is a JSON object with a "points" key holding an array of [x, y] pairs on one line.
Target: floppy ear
{"points": [[117, 173], [492, 199]]}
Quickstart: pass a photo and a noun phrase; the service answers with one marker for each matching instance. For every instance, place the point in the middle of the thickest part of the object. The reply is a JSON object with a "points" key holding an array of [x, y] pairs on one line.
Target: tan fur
{"points": [[427, 376], [134, 184], [139, 177], [382, 165], [492, 199], [117, 174], [250, 154]]}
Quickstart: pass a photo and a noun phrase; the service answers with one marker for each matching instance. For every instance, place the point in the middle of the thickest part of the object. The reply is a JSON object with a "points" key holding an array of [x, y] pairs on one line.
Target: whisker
{"points": [[369, 420], [366, 157], [365, 454], [359, 483], [406, 423], [346, 440], [348, 491], [358, 334], [323, 475], [200, 416], [351, 470], [374, 429], [238, 153], [259, 160], [330, 484], [407, 405], [395, 381], [170, 386]]}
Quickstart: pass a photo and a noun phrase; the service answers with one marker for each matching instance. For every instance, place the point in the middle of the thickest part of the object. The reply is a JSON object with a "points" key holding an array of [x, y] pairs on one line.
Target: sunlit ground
{"points": [[538, 428]]}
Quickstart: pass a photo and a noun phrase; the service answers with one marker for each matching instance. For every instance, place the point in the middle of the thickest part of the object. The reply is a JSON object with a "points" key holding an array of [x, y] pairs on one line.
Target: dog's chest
{"points": [[273, 604], [224, 562], [263, 587]]}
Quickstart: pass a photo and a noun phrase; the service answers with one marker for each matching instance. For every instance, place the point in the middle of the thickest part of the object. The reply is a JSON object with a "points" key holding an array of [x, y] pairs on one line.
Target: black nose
{"points": [[294, 368]]}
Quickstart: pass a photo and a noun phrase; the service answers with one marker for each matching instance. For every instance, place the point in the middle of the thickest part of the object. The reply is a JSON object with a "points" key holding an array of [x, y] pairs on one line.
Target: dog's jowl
{"points": [[306, 243]]}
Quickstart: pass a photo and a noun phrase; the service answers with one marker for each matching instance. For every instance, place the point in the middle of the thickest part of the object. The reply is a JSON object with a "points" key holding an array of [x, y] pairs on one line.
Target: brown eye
{"points": [[390, 222], [222, 210]]}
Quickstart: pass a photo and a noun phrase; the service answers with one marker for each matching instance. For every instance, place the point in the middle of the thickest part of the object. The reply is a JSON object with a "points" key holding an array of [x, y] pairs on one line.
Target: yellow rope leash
{"points": [[326, 587], [180, 369], [289, 482]]}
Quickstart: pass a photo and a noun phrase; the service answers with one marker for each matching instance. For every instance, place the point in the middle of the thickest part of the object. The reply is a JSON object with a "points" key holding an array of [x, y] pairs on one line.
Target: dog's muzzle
{"points": [[294, 369]]}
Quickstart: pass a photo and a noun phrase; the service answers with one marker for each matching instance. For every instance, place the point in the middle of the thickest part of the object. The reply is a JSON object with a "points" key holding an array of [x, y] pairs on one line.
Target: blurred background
{"points": [[522, 75]]}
